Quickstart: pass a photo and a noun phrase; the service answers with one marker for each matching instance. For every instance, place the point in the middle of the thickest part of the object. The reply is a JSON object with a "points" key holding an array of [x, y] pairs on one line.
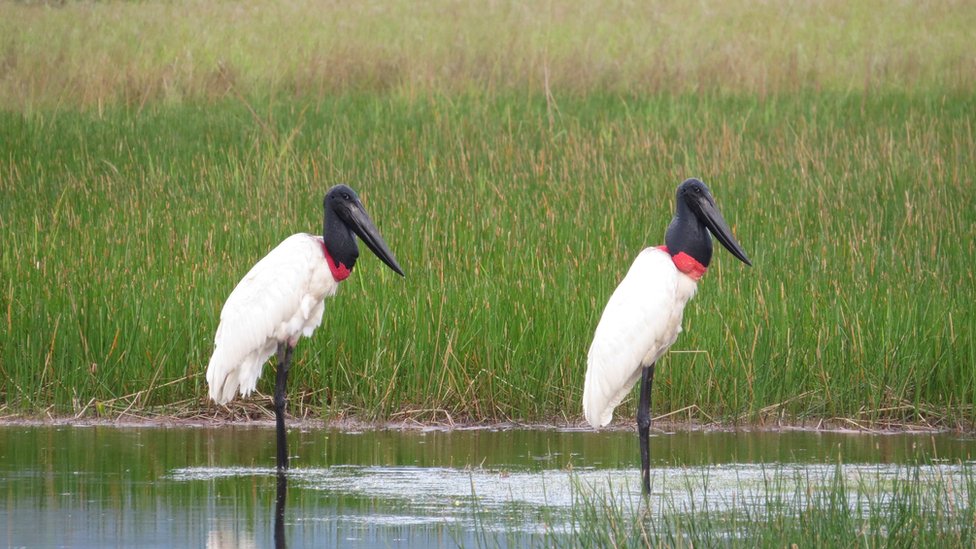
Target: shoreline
{"points": [[352, 424]]}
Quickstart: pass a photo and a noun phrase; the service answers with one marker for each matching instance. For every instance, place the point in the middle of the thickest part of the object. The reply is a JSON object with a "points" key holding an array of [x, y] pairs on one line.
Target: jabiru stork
{"points": [[643, 317], [283, 297]]}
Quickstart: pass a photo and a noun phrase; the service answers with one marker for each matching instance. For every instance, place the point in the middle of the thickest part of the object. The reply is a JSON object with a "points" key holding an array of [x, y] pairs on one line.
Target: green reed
{"points": [[125, 231]]}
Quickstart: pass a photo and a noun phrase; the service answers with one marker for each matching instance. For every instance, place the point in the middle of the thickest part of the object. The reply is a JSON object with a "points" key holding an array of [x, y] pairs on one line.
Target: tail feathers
{"points": [[223, 391], [222, 377], [227, 376], [599, 400]]}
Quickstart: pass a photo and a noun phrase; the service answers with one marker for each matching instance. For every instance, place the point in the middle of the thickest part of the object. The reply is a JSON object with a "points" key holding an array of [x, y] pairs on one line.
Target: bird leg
{"points": [[280, 498], [644, 425], [281, 381]]}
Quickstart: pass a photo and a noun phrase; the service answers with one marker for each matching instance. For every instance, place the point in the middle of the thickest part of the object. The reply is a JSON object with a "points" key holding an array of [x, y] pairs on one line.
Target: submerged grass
{"points": [[150, 153], [913, 506]]}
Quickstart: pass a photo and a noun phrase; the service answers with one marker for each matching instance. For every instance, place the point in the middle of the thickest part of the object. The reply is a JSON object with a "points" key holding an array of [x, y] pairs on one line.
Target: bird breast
{"points": [[315, 286], [684, 289]]}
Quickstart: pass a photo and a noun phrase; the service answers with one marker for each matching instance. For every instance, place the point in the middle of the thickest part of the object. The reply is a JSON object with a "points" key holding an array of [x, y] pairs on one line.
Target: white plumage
{"points": [[280, 299], [641, 320], [643, 317]]}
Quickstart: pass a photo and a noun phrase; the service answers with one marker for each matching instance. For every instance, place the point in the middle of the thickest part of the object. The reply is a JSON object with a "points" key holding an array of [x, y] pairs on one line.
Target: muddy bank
{"points": [[352, 424]]}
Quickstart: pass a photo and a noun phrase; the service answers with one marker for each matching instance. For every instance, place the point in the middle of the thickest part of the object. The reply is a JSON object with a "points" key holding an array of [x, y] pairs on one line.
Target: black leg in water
{"points": [[281, 383], [644, 425], [279, 524]]}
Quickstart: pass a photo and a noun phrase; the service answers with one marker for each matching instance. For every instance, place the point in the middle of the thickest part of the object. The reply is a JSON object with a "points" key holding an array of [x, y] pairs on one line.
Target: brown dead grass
{"points": [[93, 54]]}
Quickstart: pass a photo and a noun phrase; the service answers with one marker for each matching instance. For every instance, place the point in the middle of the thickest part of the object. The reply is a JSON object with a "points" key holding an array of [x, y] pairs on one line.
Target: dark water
{"points": [[216, 487]]}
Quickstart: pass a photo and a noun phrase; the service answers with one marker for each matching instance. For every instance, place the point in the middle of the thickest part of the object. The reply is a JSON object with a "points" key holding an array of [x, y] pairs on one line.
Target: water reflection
{"points": [[352, 505], [230, 539], [227, 536], [99, 486], [281, 496]]}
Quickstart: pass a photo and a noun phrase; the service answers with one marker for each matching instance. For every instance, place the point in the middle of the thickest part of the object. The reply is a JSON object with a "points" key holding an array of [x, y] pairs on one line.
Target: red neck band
{"points": [[339, 271], [686, 264]]}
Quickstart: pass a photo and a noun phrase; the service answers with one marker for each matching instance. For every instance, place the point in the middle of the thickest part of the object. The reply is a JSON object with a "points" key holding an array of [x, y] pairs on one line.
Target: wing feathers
{"points": [[278, 300], [636, 327]]}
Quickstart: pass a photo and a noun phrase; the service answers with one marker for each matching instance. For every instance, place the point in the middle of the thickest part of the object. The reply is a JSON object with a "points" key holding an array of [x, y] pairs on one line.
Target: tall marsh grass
{"points": [[516, 160], [123, 234], [98, 53]]}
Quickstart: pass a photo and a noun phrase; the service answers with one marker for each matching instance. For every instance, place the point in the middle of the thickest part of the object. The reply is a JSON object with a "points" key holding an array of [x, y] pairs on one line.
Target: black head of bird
{"points": [[346, 218], [695, 216]]}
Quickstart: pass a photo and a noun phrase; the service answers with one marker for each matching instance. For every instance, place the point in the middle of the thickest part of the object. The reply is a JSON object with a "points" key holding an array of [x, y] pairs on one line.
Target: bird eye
{"points": [[346, 196]]}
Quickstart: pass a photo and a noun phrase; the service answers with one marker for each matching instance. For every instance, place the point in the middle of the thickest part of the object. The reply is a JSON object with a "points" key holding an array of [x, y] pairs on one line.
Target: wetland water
{"points": [[102, 486]]}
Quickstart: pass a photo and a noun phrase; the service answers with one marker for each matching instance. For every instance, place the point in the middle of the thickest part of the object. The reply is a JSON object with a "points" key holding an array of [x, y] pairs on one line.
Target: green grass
{"points": [[515, 169], [905, 508], [124, 234]]}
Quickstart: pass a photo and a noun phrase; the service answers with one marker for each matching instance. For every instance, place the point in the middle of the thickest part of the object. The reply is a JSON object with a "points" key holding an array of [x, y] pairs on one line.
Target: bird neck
{"points": [[339, 246], [688, 235], [686, 264]]}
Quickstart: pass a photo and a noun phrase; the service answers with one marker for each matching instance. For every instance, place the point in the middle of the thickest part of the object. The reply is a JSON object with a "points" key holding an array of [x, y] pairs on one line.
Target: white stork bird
{"points": [[282, 298], [643, 317]]}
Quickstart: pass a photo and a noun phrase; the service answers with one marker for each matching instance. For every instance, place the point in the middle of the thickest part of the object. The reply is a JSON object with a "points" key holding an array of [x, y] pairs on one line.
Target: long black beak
{"points": [[360, 223], [709, 214]]}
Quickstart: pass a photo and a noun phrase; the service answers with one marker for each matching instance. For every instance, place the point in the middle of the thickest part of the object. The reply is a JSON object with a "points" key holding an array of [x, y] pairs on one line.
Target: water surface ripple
{"points": [[216, 487]]}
